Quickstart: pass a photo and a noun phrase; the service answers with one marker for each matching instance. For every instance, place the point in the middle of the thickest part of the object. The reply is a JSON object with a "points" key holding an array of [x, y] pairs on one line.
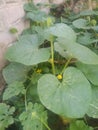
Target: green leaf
{"points": [[32, 93], [37, 16], [95, 28], [6, 118], [93, 108], [13, 89], [15, 72], [34, 118], [79, 125], [80, 52], [90, 71], [85, 13], [80, 23], [88, 13], [30, 7], [60, 50], [42, 36], [69, 98], [27, 51], [84, 24], [86, 39], [64, 31]]}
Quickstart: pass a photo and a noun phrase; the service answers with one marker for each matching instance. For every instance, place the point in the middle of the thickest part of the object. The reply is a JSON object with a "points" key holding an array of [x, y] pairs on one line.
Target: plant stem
{"points": [[26, 99], [66, 65], [43, 123], [52, 55]]}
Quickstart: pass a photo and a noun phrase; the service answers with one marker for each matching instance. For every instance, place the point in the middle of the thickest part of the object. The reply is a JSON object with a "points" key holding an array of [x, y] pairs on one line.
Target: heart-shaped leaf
{"points": [[27, 51], [69, 98], [79, 52]]}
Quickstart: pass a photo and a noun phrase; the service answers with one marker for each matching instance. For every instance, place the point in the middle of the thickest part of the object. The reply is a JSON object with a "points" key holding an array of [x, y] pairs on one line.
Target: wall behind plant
{"points": [[12, 16]]}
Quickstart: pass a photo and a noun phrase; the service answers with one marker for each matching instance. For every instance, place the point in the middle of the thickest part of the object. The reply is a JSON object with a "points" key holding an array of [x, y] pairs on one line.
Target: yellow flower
{"points": [[59, 76], [39, 71]]}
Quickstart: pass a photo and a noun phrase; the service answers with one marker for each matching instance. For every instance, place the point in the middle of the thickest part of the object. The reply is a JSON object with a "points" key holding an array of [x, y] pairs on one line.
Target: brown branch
{"points": [[64, 61]]}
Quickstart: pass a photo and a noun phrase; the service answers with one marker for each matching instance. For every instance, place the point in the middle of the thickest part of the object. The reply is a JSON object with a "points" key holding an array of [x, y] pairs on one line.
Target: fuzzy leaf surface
{"points": [[27, 51], [64, 31], [69, 98], [80, 52]]}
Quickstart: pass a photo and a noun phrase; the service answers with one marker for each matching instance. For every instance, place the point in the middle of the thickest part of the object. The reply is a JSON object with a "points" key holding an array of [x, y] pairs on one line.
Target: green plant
{"points": [[6, 118], [53, 67]]}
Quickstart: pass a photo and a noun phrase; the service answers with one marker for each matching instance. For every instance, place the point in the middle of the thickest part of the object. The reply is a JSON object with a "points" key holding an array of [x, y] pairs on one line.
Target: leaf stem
{"points": [[52, 55], [43, 123], [26, 99], [25, 96], [66, 65]]}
